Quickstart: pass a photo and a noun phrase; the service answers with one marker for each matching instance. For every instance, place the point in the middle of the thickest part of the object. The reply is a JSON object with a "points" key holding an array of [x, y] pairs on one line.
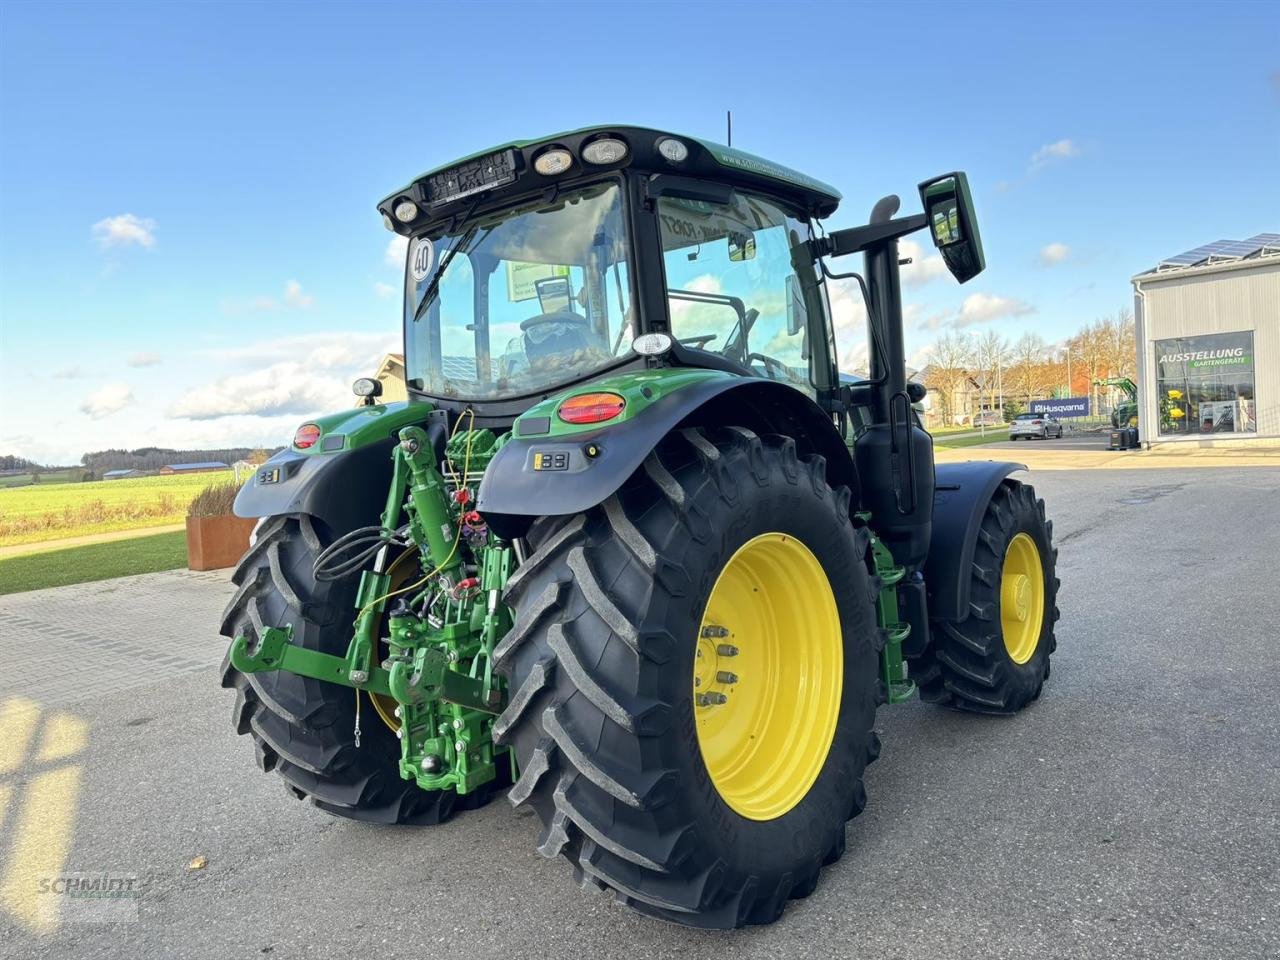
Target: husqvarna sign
{"points": [[1062, 407]]}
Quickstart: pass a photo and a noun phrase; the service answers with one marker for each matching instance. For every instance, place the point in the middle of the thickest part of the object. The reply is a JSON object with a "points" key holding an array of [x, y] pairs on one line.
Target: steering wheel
{"points": [[771, 364], [699, 341], [556, 316]]}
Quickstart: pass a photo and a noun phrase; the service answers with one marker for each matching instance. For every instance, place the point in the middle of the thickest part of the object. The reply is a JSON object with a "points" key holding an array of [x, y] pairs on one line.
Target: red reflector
{"points": [[591, 408], [306, 436]]}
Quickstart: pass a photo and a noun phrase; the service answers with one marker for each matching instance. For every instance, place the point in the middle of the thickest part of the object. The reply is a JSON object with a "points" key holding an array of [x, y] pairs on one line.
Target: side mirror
{"points": [[948, 208], [742, 246]]}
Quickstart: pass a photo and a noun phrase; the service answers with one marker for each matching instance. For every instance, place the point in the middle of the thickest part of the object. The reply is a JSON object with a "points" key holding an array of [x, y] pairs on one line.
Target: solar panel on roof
{"points": [[1261, 242], [1236, 248], [1195, 255], [1224, 250]]}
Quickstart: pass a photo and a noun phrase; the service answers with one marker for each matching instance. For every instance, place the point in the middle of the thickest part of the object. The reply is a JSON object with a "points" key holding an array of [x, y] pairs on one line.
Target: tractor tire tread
{"points": [[607, 810], [965, 665]]}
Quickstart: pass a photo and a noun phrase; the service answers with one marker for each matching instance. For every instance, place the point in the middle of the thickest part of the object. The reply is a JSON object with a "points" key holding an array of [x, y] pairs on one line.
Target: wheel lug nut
{"points": [[713, 631], [727, 650], [724, 676], [710, 699]]}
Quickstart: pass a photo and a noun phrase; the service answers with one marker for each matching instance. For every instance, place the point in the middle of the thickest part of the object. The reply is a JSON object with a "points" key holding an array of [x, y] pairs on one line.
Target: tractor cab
{"points": [[538, 264]]}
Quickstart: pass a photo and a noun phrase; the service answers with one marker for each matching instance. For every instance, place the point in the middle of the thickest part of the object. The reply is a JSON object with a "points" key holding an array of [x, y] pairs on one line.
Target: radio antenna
{"points": [[728, 123]]}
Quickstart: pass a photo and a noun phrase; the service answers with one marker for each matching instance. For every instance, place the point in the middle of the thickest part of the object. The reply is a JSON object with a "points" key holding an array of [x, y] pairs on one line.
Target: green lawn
{"points": [[994, 434], [98, 561]]}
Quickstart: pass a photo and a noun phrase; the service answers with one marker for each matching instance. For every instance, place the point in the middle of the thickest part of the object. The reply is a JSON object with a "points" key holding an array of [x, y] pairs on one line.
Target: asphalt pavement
{"points": [[1133, 811]]}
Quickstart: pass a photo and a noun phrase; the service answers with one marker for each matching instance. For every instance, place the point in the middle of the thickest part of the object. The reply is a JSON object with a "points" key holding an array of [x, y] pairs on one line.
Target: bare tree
{"points": [[948, 371], [1104, 349], [1029, 368], [990, 357]]}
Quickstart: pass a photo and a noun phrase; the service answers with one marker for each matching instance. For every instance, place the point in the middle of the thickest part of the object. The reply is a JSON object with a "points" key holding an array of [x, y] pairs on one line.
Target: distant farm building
{"points": [[205, 467], [122, 474]]}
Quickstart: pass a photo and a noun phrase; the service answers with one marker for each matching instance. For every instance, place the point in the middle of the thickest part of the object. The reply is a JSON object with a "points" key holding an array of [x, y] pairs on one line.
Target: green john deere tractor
{"points": [[633, 551], [1126, 412]]}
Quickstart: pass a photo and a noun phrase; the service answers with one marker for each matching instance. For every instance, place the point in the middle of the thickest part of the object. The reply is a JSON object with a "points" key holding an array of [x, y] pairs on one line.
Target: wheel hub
{"points": [[1015, 594], [713, 677]]}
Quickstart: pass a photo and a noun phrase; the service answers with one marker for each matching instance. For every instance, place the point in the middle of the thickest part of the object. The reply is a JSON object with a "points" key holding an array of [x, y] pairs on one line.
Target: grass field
{"points": [[51, 511], [99, 561], [48, 476], [976, 440]]}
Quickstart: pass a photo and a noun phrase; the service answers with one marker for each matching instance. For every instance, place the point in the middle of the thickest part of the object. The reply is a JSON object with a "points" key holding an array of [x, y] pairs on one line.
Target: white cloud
{"points": [[1053, 254], [1063, 149], [397, 251], [913, 315], [282, 388], [107, 400], [383, 290], [294, 297], [301, 376], [70, 373], [125, 229], [327, 350], [923, 268], [985, 307], [849, 319], [143, 358]]}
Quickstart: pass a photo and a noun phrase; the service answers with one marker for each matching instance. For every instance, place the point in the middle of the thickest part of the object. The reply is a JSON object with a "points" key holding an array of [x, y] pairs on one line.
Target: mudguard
{"points": [[549, 469], [342, 479], [960, 498]]}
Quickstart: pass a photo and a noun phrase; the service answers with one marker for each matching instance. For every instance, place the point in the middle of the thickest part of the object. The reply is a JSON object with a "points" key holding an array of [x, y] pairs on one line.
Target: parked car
{"points": [[989, 418], [1030, 425]]}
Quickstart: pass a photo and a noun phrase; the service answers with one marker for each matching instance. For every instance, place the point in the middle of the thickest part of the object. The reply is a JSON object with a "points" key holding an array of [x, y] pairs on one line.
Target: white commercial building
{"points": [[1208, 339]]}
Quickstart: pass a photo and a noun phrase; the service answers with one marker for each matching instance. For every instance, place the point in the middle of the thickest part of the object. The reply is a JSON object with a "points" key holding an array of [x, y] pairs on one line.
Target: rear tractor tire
{"points": [[694, 678], [302, 729], [996, 660]]}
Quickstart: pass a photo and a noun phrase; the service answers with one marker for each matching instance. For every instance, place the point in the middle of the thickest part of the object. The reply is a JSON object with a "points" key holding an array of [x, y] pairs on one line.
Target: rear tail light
{"points": [[306, 436], [591, 408]]}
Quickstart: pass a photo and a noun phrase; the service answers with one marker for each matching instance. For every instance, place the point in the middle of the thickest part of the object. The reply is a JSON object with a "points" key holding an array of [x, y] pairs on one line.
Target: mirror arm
{"points": [[839, 243]]}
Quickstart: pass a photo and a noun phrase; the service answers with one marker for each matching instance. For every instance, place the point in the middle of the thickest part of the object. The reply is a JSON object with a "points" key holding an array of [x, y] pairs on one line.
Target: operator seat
{"points": [[560, 333]]}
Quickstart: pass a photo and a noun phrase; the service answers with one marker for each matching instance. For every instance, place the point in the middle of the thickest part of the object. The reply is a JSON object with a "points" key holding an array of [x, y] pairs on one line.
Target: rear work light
{"points": [[591, 408], [605, 150], [306, 436]]}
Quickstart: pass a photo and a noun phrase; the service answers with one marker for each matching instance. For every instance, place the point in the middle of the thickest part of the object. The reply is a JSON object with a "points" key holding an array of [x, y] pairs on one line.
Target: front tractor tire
{"points": [[694, 678], [303, 729], [996, 660]]}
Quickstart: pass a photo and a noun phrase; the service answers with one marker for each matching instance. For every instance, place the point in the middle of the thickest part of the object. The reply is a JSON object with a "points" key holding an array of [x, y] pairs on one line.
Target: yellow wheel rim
{"points": [[767, 676], [1021, 598]]}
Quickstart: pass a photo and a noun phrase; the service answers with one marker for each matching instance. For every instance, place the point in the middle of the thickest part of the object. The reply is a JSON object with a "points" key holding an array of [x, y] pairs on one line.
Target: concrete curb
{"points": [[1117, 459]]}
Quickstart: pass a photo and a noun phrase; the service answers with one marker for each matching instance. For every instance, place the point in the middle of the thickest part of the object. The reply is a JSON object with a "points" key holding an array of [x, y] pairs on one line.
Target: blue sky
{"points": [[190, 256]]}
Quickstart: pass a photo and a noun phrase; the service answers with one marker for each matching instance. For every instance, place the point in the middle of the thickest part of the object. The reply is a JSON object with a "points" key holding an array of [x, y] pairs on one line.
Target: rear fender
{"points": [[550, 468], [342, 478], [960, 499]]}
